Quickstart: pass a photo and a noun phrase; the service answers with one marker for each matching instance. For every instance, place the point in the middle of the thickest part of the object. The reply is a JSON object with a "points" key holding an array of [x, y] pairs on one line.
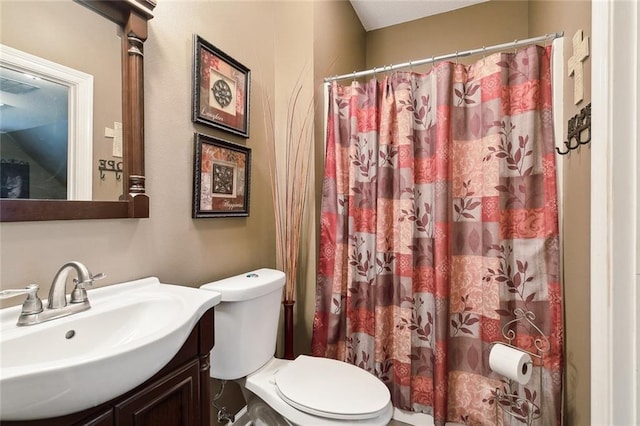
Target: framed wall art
{"points": [[220, 89], [14, 179], [221, 178]]}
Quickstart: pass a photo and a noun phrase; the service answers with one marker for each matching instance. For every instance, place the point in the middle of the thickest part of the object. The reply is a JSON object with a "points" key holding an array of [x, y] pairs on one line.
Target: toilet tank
{"points": [[246, 322]]}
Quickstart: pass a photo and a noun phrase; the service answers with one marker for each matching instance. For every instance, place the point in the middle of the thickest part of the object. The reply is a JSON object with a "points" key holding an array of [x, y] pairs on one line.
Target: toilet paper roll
{"points": [[511, 363]]}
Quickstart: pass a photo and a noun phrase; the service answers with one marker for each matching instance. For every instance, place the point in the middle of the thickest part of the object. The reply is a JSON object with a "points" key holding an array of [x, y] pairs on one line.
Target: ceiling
{"points": [[33, 114], [29, 101], [376, 14]]}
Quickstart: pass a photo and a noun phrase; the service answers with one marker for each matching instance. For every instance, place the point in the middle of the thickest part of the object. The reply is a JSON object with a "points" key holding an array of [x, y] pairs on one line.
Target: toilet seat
{"points": [[262, 384], [331, 389]]}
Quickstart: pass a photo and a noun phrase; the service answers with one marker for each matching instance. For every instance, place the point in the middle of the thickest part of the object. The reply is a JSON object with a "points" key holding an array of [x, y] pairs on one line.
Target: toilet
{"points": [[307, 391]]}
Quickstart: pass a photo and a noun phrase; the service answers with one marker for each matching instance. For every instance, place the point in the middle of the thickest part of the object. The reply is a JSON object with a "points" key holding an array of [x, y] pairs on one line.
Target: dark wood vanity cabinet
{"points": [[178, 395], [172, 400]]}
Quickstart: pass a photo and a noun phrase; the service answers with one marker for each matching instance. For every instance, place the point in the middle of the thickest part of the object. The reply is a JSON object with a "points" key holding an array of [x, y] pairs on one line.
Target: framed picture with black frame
{"points": [[221, 178], [14, 179], [221, 87]]}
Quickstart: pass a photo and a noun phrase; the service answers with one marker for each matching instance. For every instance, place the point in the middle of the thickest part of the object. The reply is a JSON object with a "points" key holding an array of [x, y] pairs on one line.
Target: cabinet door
{"points": [[171, 401], [104, 419]]}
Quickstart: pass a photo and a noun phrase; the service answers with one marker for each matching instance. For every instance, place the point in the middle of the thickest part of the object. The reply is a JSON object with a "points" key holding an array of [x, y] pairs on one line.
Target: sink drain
{"points": [[70, 334]]}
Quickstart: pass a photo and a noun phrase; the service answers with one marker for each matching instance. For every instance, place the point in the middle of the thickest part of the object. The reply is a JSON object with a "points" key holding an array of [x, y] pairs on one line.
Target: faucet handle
{"points": [[12, 292], [32, 304], [98, 276], [89, 282], [79, 293]]}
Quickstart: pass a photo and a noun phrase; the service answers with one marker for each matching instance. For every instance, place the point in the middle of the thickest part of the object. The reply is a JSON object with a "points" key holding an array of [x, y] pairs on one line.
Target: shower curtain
{"points": [[438, 227]]}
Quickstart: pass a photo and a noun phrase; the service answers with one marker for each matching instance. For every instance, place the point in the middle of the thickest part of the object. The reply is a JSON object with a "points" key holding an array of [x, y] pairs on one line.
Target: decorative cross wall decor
{"points": [[576, 66]]}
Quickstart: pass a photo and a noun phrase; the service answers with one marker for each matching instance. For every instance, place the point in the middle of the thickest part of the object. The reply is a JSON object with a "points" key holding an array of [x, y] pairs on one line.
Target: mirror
{"points": [[46, 140], [59, 136], [132, 17]]}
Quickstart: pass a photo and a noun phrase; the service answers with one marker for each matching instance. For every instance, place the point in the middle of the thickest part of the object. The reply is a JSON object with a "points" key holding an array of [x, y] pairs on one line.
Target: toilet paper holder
{"points": [[525, 407]]}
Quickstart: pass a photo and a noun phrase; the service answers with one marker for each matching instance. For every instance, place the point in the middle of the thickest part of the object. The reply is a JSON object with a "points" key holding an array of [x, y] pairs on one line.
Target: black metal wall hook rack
{"points": [[110, 166], [578, 124]]}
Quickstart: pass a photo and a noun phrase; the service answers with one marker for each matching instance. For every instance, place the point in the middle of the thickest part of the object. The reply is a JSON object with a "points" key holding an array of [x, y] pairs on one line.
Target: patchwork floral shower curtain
{"points": [[438, 228]]}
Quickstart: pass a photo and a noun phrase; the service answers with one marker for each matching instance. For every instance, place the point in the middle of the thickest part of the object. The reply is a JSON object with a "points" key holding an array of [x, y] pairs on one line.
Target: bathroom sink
{"points": [[59, 367]]}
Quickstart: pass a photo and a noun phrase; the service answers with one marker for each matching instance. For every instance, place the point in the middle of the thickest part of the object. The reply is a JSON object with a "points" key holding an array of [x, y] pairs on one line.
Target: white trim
{"points": [[416, 419], [600, 182], [637, 213], [557, 67], [411, 418], [80, 109], [325, 92], [559, 130], [614, 213]]}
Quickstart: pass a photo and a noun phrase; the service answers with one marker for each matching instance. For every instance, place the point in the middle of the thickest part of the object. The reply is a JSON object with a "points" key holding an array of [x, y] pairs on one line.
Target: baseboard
{"points": [[415, 419], [411, 418], [408, 417]]}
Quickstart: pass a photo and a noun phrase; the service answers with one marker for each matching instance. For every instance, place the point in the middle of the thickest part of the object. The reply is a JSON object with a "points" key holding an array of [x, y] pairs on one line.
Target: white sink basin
{"points": [[69, 364]]}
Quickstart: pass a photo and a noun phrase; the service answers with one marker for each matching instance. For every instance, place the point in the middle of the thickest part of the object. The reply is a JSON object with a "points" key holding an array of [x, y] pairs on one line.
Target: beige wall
{"points": [[485, 24], [170, 244], [275, 40], [337, 49], [550, 16], [185, 251], [294, 64]]}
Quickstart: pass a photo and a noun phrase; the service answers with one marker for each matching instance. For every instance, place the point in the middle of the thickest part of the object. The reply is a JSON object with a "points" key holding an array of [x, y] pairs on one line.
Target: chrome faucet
{"points": [[57, 305]]}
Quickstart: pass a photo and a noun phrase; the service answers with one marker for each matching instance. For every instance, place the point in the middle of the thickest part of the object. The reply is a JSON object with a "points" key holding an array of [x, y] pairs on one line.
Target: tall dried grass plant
{"points": [[290, 175]]}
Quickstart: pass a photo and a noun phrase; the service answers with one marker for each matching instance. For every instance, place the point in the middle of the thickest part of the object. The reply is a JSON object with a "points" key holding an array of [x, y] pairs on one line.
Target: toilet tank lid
{"points": [[248, 285]]}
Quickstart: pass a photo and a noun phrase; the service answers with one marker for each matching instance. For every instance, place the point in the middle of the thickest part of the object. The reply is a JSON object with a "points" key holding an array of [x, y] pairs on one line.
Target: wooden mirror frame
{"points": [[132, 17]]}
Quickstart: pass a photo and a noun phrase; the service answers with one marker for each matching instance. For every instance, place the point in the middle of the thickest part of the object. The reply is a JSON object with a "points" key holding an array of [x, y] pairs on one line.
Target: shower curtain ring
{"points": [[410, 66], [354, 75], [456, 57]]}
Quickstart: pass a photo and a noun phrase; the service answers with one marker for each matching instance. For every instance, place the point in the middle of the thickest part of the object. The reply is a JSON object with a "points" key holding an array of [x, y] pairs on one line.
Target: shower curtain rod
{"points": [[497, 47]]}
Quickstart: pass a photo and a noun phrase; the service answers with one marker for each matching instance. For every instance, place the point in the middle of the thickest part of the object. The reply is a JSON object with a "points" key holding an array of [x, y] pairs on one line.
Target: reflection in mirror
{"points": [[69, 35], [32, 166], [46, 117]]}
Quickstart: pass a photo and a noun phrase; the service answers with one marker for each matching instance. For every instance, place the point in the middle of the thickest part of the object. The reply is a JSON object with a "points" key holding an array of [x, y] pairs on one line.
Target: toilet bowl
{"points": [[307, 391]]}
